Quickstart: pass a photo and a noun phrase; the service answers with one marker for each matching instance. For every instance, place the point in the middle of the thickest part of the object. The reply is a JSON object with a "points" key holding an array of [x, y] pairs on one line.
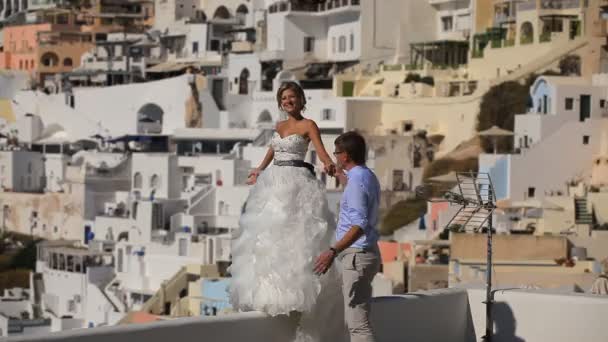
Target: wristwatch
{"points": [[334, 250]]}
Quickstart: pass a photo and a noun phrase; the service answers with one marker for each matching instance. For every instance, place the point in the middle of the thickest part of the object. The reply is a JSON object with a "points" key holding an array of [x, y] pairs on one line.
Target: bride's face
{"points": [[291, 102]]}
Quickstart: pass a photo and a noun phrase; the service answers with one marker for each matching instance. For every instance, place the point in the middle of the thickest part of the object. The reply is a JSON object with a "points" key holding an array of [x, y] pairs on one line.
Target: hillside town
{"points": [[95, 95]]}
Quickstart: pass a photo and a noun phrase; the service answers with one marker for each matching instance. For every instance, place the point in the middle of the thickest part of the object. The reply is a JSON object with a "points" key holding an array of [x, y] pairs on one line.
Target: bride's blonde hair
{"points": [[296, 89]]}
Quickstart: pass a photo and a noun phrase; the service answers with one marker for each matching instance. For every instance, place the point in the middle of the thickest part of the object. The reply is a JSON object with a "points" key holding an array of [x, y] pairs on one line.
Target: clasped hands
{"points": [[330, 169]]}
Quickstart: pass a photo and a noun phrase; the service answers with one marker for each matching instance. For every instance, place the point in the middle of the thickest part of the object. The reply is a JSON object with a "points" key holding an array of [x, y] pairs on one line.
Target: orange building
{"points": [[60, 51], [20, 46], [44, 49]]}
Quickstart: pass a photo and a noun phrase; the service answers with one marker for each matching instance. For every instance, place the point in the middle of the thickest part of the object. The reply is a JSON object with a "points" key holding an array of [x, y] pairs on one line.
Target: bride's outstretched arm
{"points": [[315, 136], [267, 159], [253, 175]]}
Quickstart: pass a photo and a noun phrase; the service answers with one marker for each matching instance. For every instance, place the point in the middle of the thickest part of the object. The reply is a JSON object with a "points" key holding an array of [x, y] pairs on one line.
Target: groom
{"points": [[356, 235]]}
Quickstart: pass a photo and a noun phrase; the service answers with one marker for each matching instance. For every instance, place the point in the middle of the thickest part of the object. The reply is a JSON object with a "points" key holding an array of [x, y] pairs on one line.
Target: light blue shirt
{"points": [[359, 206]]}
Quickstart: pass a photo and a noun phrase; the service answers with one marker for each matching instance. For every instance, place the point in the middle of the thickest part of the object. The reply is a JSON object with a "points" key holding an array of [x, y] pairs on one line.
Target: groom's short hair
{"points": [[353, 144]]}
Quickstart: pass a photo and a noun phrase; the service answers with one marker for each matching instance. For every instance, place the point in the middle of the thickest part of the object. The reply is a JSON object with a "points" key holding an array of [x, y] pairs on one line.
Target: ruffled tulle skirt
{"points": [[285, 226]]}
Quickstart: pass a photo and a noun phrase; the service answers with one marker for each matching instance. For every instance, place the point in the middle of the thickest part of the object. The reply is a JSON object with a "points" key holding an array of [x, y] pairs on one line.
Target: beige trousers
{"points": [[358, 270]]}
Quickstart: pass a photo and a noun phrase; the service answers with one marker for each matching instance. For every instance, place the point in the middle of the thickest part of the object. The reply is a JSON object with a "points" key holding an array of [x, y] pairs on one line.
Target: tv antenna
{"points": [[474, 193]]}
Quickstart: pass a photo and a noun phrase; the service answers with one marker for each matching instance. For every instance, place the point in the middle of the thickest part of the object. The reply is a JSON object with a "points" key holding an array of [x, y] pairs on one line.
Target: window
{"points": [[352, 42], [569, 103], [531, 192], [342, 44], [309, 44], [137, 180], [602, 103], [585, 140], [154, 181], [119, 261], [62, 19], [183, 247], [194, 47], [214, 45], [328, 114], [463, 22], [447, 23]]}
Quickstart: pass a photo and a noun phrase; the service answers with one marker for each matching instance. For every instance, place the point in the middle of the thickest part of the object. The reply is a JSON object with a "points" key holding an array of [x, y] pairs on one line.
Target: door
{"points": [[183, 247], [348, 88], [575, 27], [218, 93], [87, 234], [585, 107], [398, 180]]}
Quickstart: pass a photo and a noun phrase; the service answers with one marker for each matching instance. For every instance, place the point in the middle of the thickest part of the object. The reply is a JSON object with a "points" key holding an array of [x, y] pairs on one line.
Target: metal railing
{"points": [[559, 4], [311, 7], [526, 6]]}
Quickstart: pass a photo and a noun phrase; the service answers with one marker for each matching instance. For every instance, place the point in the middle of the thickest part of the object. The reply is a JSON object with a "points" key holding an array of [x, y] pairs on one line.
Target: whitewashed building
{"points": [[21, 171], [557, 100], [556, 141]]}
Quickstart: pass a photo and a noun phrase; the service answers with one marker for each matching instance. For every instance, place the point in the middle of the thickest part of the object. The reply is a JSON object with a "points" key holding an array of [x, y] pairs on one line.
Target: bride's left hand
{"points": [[324, 262]]}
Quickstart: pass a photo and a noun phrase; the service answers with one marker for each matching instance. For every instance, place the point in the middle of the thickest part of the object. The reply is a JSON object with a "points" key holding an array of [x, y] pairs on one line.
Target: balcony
{"points": [[322, 8], [502, 18], [334, 4], [271, 55], [242, 47], [441, 2], [460, 313]]}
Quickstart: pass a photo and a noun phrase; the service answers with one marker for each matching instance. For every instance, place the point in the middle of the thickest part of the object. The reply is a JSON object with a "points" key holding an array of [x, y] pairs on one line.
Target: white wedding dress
{"points": [[286, 224]]}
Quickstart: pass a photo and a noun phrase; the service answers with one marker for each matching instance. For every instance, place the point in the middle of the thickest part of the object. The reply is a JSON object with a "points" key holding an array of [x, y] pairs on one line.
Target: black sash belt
{"points": [[296, 163]]}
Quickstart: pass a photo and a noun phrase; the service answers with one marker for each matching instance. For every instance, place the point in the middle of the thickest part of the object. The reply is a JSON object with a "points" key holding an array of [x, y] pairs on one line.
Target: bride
{"points": [[285, 225]]}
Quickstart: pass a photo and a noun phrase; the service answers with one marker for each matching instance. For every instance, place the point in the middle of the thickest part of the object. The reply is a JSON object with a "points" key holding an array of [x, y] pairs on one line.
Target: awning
{"points": [[138, 138], [449, 177], [528, 204], [495, 131], [178, 66], [168, 67]]}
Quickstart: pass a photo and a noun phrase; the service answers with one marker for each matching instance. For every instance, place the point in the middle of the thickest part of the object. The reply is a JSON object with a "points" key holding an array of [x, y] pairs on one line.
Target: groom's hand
{"points": [[324, 262]]}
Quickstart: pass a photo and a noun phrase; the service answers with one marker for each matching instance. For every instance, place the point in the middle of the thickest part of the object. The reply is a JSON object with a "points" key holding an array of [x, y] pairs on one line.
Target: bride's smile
{"points": [[290, 102]]}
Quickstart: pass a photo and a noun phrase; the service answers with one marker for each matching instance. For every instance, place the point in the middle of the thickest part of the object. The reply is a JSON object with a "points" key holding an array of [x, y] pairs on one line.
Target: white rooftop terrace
{"points": [[452, 315]]}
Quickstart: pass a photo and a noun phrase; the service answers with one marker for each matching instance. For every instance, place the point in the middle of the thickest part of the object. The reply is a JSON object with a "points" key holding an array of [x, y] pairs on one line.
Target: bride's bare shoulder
{"points": [[310, 124], [279, 124]]}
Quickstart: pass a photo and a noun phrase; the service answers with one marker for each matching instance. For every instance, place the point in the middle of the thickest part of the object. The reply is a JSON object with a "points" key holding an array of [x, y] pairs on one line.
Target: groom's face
{"points": [[341, 156]]}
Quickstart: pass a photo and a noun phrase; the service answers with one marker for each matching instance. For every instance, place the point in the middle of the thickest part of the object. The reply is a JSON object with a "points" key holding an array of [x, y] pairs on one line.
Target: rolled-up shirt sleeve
{"points": [[357, 199]]}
